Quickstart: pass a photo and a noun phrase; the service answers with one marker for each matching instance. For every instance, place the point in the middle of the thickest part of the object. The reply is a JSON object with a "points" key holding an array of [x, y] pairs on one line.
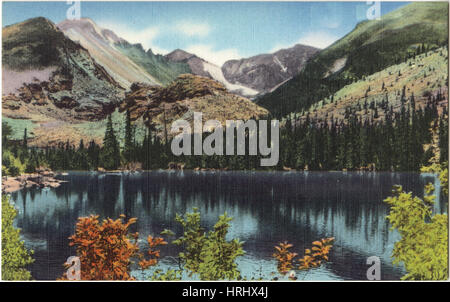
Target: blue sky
{"points": [[216, 31]]}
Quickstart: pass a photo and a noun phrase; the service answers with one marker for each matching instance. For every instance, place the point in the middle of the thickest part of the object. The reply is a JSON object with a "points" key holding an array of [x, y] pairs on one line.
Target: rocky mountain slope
{"points": [[126, 63], [46, 75], [411, 83], [264, 72], [55, 89], [155, 64], [159, 106], [203, 68], [370, 47]]}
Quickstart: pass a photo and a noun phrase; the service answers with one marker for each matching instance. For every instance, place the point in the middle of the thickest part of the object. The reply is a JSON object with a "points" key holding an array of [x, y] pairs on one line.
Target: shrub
{"points": [[30, 167], [14, 171], [209, 254], [106, 249], [314, 257], [423, 247], [15, 257], [441, 170], [284, 257], [5, 171]]}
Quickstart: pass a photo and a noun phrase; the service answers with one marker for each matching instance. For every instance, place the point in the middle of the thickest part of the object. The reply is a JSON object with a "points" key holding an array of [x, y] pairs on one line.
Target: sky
{"points": [[215, 31]]}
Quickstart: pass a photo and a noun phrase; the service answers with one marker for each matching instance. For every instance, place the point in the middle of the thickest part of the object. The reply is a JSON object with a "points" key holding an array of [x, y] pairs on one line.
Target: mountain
{"points": [[159, 106], [409, 85], [55, 89], [45, 74], [370, 47], [126, 63], [200, 67], [157, 65], [264, 72], [195, 63]]}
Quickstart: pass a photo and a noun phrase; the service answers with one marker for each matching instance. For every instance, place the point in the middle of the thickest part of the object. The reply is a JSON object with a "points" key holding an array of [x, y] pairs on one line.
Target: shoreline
{"points": [[47, 178], [41, 179]]}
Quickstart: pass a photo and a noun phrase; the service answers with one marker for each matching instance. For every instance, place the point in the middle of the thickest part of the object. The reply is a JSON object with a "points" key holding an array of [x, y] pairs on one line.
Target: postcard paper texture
{"points": [[274, 141]]}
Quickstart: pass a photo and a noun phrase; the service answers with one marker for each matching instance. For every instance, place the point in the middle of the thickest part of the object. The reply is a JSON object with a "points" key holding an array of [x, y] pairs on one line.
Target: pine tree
{"points": [[129, 146], [25, 139], [443, 139], [110, 153], [93, 155], [6, 132]]}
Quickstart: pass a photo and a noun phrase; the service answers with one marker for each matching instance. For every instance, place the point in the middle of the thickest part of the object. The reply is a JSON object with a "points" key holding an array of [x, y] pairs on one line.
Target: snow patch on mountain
{"points": [[216, 73], [283, 68]]}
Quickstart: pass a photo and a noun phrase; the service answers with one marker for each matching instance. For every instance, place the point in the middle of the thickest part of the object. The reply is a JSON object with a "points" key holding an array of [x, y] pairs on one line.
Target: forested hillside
{"points": [[370, 47]]}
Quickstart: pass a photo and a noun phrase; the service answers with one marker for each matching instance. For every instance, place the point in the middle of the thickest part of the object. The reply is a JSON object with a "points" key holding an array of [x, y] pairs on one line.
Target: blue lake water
{"points": [[267, 207]]}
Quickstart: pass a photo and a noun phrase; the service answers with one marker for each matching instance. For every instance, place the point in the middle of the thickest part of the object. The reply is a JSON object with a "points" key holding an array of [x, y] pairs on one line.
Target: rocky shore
{"points": [[40, 179]]}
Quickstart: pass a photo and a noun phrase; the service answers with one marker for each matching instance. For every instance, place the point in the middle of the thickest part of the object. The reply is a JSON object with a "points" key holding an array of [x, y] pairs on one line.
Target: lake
{"points": [[267, 207]]}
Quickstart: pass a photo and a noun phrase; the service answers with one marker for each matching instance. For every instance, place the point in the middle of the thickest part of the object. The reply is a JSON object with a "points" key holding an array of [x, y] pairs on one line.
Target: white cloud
{"points": [[144, 36], [192, 29], [319, 39], [217, 57]]}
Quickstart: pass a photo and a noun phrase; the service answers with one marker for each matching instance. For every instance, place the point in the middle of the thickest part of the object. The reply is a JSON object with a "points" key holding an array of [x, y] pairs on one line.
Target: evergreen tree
{"points": [[443, 139], [110, 153], [129, 145], [25, 139], [6, 132]]}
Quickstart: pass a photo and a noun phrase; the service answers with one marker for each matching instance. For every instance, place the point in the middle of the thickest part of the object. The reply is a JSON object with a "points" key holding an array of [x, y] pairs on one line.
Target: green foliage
{"points": [[423, 247], [13, 171], [218, 255], [192, 240], [210, 255], [110, 153], [13, 166], [30, 167], [25, 139], [443, 178], [169, 275], [17, 157], [129, 149], [442, 171], [6, 132], [393, 144], [15, 256], [443, 139]]}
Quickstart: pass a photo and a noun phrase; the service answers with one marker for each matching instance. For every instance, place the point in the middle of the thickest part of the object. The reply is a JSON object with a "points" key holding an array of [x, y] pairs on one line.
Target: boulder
{"points": [[175, 166], [31, 184], [53, 184]]}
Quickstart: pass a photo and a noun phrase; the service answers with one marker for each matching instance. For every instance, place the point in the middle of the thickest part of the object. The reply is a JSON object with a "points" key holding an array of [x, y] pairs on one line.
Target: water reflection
{"points": [[268, 207]]}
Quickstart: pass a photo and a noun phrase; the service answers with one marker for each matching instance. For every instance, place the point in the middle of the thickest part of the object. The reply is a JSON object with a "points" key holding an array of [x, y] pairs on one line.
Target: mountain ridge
{"points": [[264, 72], [204, 68], [64, 75], [126, 62], [370, 47], [66, 97]]}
